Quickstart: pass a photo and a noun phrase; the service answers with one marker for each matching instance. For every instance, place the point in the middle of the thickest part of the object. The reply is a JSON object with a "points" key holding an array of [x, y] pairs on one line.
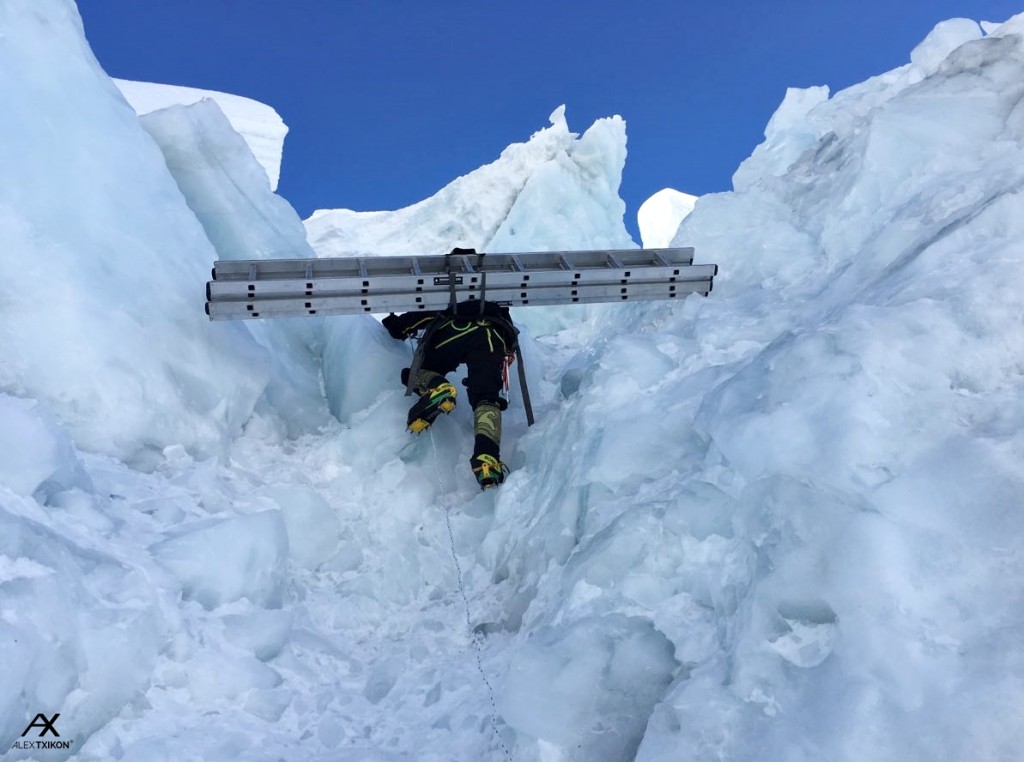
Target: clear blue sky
{"points": [[389, 100]]}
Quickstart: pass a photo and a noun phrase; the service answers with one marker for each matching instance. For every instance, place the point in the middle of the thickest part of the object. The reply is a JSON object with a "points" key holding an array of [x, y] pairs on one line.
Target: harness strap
{"points": [[483, 279], [512, 331], [420, 353], [459, 332], [428, 334], [451, 279]]}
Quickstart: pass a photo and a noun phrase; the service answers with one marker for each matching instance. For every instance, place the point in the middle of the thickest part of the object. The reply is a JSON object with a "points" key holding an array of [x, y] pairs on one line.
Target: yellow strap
{"points": [[460, 332]]}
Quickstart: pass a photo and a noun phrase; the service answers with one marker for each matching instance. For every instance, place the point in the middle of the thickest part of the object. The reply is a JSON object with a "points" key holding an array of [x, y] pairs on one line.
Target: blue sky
{"points": [[389, 100]]}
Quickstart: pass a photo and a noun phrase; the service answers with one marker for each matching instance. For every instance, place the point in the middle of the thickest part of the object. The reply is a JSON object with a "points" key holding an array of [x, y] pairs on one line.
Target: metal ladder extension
{"points": [[272, 288]]}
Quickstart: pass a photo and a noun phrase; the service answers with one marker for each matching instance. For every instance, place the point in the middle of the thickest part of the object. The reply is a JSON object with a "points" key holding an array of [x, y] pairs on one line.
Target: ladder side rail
{"points": [[290, 308], [432, 263], [406, 303], [265, 268]]}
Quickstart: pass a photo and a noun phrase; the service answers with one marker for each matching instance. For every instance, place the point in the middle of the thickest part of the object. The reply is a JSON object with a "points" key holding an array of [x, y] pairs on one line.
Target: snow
{"points": [[259, 124], [776, 523], [946, 37], [36, 454], [590, 686], [659, 216], [219, 561]]}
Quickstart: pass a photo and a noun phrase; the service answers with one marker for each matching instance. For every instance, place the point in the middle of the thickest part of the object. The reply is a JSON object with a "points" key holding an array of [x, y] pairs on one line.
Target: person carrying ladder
{"points": [[479, 334]]}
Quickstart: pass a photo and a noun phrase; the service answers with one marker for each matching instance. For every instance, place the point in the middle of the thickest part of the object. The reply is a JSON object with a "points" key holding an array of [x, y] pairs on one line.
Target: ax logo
{"points": [[40, 721], [45, 725]]}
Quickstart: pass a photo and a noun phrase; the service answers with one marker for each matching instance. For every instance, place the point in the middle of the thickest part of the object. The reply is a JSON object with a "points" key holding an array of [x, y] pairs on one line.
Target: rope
{"points": [[474, 636]]}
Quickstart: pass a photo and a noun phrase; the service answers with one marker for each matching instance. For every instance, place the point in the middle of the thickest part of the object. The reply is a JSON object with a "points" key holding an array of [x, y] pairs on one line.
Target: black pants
{"points": [[483, 355], [482, 350]]}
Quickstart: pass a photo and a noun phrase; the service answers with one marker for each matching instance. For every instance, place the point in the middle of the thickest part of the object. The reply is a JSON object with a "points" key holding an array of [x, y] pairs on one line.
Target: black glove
{"points": [[394, 327], [457, 251]]}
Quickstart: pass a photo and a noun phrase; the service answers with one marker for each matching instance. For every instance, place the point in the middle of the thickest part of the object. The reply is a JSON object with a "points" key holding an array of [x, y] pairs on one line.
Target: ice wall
{"points": [[107, 358], [101, 282], [261, 126], [806, 481], [223, 185]]}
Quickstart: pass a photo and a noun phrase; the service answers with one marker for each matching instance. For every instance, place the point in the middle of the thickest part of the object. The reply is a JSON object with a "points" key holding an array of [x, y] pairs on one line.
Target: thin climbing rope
{"points": [[474, 636]]}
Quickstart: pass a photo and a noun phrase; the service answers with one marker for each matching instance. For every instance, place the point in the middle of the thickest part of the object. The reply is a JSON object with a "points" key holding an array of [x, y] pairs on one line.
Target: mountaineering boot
{"points": [[487, 467], [432, 402], [487, 428], [489, 471]]}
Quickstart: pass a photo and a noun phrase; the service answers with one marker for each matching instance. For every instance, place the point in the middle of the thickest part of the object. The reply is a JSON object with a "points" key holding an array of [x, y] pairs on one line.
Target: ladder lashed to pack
{"points": [[352, 285]]}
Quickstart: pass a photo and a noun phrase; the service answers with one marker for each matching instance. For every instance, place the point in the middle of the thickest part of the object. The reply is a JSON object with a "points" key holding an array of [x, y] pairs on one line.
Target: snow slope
{"points": [[777, 523]]}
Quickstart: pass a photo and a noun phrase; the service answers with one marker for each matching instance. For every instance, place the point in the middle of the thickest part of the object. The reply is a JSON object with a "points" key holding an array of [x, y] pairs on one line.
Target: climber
{"points": [[479, 334]]}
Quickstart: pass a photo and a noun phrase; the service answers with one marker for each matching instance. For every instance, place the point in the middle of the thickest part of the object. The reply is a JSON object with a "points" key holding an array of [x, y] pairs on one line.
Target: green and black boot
{"points": [[486, 464], [436, 396]]}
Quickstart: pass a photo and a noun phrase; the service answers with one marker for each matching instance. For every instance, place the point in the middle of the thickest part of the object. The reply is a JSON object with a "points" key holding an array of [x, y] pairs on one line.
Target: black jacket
{"points": [[408, 323]]}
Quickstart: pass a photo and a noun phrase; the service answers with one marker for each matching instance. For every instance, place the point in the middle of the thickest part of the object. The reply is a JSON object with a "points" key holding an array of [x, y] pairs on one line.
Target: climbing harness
{"points": [[474, 636]]}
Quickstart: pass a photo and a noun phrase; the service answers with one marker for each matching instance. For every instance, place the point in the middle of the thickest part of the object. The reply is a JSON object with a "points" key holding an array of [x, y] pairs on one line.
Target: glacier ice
{"points": [[259, 125], [660, 215], [123, 258], [775, 523], [222, 184]]}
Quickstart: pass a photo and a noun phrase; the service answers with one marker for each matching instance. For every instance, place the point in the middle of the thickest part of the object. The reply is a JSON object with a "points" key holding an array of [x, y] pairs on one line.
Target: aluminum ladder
{"points": [[273, 288]]}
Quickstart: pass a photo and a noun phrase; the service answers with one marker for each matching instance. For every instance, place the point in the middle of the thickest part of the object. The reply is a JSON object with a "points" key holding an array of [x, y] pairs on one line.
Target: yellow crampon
{"points": [[490, 472], [439, 399]]}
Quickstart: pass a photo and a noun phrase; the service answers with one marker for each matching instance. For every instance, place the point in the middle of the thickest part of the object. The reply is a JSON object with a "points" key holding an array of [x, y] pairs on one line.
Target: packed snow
{"points": [[776, 523]]}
